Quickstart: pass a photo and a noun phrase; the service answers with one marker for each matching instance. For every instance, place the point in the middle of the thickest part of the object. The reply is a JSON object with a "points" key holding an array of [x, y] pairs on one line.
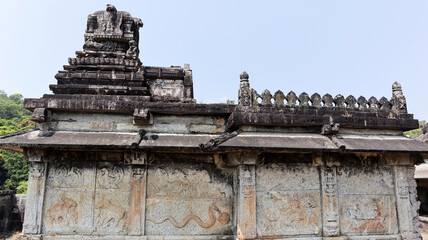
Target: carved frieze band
{"points": [[35, 197], [330, 203], [246, 228]]}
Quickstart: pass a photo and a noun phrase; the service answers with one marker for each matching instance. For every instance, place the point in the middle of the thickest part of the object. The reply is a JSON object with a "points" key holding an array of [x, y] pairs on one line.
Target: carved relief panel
{"points": [[68, 206], [112, 198], [288, 200], [366, 198], [194, 199]]}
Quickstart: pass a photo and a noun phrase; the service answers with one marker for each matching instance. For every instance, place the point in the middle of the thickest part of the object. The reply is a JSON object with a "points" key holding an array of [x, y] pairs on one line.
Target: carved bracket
{"points": [[242, 158], [33, 155], [142, 117], [135, 158], [41, 115]]}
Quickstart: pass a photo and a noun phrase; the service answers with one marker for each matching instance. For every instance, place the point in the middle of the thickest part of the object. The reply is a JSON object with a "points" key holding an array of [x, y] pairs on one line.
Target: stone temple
{"points": [[123, 151]]}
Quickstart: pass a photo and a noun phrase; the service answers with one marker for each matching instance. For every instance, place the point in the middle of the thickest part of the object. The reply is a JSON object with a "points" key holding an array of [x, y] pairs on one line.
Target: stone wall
{"points": [[423, 195], [6, 205], [12, 208], [201, 196]]}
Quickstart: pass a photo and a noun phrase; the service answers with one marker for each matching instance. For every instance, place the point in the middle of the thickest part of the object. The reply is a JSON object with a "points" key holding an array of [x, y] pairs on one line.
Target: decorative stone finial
{"points": [[244, 76], [398, 100], [113, 31], [244, 94], [396, 88]]}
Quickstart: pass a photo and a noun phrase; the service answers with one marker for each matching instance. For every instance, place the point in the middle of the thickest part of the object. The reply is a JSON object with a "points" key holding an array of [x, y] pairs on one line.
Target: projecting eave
{"points": [[273, 142], [355, 143], [64, 139]]}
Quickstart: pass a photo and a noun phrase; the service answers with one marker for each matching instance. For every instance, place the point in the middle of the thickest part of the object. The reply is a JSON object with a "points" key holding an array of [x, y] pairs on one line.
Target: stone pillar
{"points": [[36, 192], [246, 214]]}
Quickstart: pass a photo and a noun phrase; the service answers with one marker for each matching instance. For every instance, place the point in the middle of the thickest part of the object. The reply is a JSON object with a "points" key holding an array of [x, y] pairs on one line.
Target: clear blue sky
{"points": [[347, 47]]}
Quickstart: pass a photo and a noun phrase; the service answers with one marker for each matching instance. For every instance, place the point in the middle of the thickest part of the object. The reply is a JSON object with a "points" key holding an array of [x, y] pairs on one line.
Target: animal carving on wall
{"points": [[63, 212], [214, 215], [293, 211], [110, 215]]}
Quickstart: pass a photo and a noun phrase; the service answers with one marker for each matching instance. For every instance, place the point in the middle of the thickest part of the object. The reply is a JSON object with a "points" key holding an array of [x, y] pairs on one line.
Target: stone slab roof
{"points": [[379, 144], [243, 141]]}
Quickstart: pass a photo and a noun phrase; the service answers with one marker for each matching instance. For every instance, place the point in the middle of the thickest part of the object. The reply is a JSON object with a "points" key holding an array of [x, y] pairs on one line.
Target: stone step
{"points": [[98, 89]]}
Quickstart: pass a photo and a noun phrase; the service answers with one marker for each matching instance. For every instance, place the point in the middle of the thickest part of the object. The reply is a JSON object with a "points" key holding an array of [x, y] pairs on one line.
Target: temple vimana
{"points": [[123, 151]]}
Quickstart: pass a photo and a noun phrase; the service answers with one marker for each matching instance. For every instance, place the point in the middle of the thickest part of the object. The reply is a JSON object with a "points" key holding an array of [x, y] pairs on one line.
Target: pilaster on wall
{"points": [[138, 191], [246, 214], [330, 205], [406, 194], [407, 204], [35, 193], [137, 201]]}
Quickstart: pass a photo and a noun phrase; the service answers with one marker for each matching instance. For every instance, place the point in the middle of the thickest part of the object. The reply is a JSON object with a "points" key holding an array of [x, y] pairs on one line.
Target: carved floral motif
{"points": [[66, 176], [109, 176], [179, 183]]}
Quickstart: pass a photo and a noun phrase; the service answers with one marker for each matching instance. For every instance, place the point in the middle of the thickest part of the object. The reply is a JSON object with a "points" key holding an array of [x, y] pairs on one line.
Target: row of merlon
{"points": [[304, 100]]}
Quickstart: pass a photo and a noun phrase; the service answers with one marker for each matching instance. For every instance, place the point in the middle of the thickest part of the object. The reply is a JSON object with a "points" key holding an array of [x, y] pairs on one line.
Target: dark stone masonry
{"points": [[123, 151]]}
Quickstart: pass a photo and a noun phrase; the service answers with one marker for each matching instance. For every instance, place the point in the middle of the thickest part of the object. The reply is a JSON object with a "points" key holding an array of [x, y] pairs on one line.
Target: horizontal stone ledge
{"points": [[199, 237], [99, 89], [105, 74], [126, 83], [123, 104], [334, 111], [358, 120], [101, 67], [192, 142], [126, 237]]}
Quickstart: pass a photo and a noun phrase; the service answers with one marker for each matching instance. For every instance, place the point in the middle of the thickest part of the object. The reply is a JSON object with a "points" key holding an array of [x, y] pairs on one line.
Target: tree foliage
{"points": [[415, 132], [13, 117]]}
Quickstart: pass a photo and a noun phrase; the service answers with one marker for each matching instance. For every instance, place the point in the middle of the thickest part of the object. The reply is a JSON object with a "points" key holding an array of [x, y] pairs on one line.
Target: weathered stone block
{"points": [[69, 205], [288, 200], [188, 199]]}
